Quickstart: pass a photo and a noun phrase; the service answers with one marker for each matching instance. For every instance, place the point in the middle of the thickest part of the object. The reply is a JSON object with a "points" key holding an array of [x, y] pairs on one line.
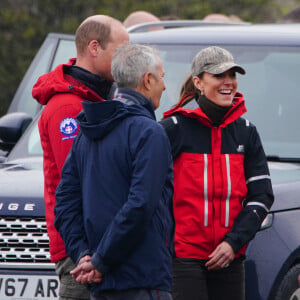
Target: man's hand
{"points": [[221, 257], [85, 272]]}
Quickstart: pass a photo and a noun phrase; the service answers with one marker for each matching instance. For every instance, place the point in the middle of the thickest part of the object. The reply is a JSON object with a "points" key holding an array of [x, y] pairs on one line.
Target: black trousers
{"points": [[192, 281]]}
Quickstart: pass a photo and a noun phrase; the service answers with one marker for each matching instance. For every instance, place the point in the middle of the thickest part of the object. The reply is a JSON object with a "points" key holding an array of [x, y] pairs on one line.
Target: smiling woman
{"points": [[220, 88], [222, 186]]}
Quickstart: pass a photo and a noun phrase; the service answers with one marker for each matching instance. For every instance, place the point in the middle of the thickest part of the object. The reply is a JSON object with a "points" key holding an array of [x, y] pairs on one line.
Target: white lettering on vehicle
{"points": [[29, 206], [16, 206], [13, 206]]}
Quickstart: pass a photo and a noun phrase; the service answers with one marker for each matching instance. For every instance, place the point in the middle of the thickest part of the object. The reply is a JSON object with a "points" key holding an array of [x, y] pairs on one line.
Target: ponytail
{"points": [[188, 92]]}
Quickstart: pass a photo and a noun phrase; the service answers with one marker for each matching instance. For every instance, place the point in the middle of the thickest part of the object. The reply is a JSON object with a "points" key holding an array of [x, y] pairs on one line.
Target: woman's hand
{"points": [[221, 257]]}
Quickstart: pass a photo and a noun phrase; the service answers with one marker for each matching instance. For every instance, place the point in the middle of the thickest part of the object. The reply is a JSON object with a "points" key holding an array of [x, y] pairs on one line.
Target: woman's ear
{"points": [[197, 82]]}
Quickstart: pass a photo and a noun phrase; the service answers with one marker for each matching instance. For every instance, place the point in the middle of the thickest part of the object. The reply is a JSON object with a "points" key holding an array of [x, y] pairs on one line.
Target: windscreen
{"points": [[270, 88]]}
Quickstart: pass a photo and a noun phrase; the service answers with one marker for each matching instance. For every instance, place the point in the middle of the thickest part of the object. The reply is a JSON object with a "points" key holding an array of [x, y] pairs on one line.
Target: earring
{"points": [[201, 93]]}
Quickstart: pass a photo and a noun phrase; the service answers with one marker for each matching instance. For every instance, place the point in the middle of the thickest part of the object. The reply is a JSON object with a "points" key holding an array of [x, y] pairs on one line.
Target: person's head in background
{"points": [[96, 39], [213, 75], [140, 16], [291, 17], [139, 67], [222, 18], [216, 18], [169, 18]]}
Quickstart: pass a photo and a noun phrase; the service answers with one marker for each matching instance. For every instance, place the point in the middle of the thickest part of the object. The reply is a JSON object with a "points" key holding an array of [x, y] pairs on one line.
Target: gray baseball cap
{"points": [[214, 60]]}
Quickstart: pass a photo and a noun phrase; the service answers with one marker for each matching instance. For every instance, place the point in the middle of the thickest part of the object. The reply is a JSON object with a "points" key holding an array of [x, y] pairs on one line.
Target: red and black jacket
{"points": [[222, 186]]}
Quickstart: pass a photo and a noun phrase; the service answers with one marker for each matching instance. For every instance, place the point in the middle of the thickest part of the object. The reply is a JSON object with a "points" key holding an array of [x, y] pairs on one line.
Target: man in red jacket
{"points": [[61, 91]]}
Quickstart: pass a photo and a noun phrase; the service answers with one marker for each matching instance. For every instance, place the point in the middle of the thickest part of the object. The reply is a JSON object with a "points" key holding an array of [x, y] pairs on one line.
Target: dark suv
{"points": [[271, 56]]}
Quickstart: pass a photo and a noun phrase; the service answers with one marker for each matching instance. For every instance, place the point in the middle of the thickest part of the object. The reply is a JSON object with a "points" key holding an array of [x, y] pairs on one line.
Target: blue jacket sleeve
{"points": [[68, 209], [151, 165]]}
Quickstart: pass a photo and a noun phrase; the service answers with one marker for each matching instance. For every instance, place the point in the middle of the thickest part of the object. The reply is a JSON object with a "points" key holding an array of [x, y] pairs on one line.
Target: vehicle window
{"points": [[34, 146], [269, 88], [25, 101], [176, 62], [29, 144], [66, 50]]}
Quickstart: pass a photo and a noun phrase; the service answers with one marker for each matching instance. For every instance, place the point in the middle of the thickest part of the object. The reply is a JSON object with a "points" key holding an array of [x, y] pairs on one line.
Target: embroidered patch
{"points": [[68, 126]]}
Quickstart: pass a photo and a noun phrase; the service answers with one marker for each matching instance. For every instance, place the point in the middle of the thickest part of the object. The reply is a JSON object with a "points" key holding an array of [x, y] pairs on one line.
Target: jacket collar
{"points": [[56, 82], [237, 109], [132, 97]]}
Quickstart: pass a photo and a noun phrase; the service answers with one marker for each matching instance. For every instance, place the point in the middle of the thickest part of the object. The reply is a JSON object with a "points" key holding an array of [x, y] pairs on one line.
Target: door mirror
{"points": [[12, 126]]}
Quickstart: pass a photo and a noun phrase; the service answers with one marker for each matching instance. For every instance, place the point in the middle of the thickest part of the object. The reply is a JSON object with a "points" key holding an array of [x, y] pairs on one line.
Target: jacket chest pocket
{"points": [[192, 175], [234, 188]]}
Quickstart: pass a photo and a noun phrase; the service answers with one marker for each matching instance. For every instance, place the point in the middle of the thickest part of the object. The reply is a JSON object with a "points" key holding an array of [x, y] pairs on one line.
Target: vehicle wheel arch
{"points": [[292, 261]]}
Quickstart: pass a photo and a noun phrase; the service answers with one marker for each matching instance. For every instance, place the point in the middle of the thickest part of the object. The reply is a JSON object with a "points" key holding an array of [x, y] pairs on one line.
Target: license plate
{"points": [[29, 287]]}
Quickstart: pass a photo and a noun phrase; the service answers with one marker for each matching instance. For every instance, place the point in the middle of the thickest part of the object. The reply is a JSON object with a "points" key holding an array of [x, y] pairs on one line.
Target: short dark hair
{"points": [[92, 30]]}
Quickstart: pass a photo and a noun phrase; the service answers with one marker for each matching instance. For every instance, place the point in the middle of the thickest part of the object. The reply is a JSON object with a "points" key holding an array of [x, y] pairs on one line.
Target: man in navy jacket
{"points": [[114, 201]]}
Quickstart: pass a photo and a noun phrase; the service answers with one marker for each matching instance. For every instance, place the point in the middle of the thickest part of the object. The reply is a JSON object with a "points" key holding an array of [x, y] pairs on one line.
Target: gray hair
{"points": [[131, 62]]}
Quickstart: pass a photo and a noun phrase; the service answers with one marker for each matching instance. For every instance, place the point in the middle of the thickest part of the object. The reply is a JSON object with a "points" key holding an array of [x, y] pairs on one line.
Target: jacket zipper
{"points": [[214, 137]]}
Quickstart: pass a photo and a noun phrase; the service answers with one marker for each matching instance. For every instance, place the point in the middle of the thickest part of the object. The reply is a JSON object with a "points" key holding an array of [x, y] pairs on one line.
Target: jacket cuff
{"points": [[234, 243], [81, 255], [245, 226], [98, 263]]}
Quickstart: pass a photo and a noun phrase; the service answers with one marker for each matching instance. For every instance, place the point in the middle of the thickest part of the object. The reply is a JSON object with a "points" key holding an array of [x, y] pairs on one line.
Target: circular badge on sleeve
{"points": [[68, 126]]}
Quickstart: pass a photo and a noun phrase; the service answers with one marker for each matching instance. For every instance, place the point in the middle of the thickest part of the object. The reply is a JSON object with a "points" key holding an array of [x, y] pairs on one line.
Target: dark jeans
{"points": [[192, 281], [134, 294]]}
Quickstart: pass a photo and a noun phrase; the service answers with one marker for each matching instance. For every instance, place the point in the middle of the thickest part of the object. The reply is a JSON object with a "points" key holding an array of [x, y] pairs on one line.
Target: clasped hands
{"points": [[85, 272]]}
